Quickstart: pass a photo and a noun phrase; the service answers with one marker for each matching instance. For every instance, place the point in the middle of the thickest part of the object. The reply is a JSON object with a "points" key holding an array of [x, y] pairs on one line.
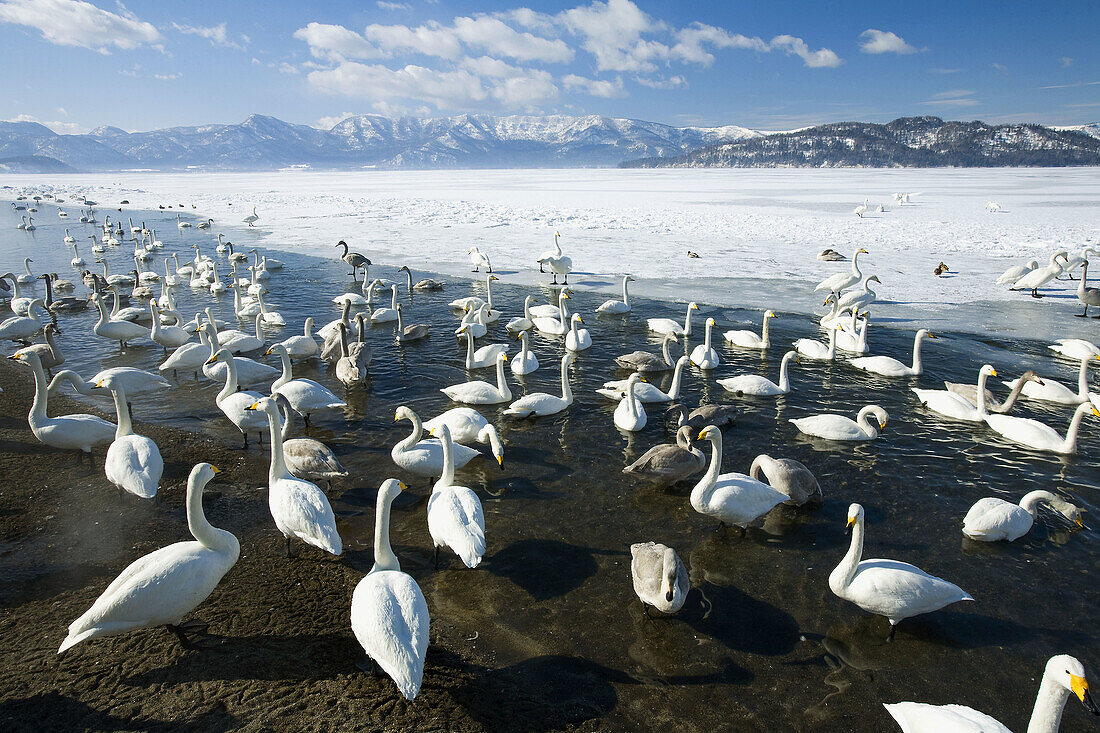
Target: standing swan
{"points": [[1040, 276], [660, 578], [299, 508], [834, 284], [896, 590], [1063, 676], [888, 366], [133, 462], [252, 218], [618, 306], [455, 516], [162, 587], [389, 615], [731, 498]]}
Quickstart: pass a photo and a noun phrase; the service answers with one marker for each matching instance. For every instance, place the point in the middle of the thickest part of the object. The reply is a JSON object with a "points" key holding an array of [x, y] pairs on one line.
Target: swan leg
{"points": [[287, 550], [1034, 294], [540, 268], [893, 628], [367, 665], [181, 635], [437, 557], [1085, 314]]}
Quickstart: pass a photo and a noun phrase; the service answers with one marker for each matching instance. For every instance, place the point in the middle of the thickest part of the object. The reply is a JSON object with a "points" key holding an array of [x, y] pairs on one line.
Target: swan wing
{"points": [[947, 403], [456, 520], [1025, 430], [887, 366], [389, 617], [740, 499], [993, 519], [899, 590], [919, 717], [134, 463], [301, 510], [834, 427], [750, 384]]}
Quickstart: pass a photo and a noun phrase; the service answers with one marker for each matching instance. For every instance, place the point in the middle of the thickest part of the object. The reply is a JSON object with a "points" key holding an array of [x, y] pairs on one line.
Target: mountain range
{"points": [[530, 141], [919, 142]]}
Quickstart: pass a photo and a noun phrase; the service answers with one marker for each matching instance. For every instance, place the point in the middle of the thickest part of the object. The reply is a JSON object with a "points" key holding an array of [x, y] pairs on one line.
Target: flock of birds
{"points": [[389, 615]]}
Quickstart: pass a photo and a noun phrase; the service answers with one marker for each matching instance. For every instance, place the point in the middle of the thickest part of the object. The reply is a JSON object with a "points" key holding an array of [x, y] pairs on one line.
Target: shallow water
{"points": [[761, 640]]}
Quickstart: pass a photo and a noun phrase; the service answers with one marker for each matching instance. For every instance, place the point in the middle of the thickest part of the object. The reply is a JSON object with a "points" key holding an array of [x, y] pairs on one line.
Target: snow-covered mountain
{"points": [[475, 141]]}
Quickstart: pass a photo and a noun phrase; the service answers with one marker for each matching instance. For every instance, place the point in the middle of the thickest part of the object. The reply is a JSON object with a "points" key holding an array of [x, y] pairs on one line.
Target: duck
{"points": [[486, 356], [302, 346], [817, 351], [667, 463], [425, 284], [646, 392], [1034, 434], [789, 477], [456, 519], [306, 458], [645, 362], [667, 325], [630, 414], [300, 509], [524, 322], [412, 332], [841, 281], [479, 392], [704, 356], [1064, 676], [1047, 390], [541, 404], [660, 578], [731, 498], [992, 519], [525, 362], [841, 428], [577, 339], [425, 457], [389, 615], [160, 588], [748, 339], [969, 392], [756, 386], [133, 462], [888, 366], [615, 307], [948, 404], [896, 590], [304, 395]]}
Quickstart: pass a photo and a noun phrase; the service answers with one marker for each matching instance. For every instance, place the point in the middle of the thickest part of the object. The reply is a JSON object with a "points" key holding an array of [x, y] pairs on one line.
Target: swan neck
{"points": [[864, 422], [278, 464], [230, 378], [917, 367], [1070, 444], [626, 293], [764, 333], [384, 559], [1083, 380], [566, 389], [843, 574], [414, 436], [502, 384], [41, 395], [701, 493], [756, 468], [784, 374], [1046, 717], [125, 427], [204, 533], [288, 372], [979, 401], [687, 322], [677, 378], [469, 349], [1031, 501], [447, 477], [664, 351]]}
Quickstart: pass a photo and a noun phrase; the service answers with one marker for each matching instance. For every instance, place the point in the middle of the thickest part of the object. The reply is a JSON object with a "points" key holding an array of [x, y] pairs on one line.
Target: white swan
{"points": [[304, 395], [69, 432], [859, 299], [630, 414], [889, 588], [992, 519], [748, 339], [234, 403], [299, 508], [1034, 434], [524, 322], [842, 280], [252, 218], [578, 339], [21, 328], [162, 587], [539, 404], [704, 356], [472, 302], [469, 426], [861, 209], [1063, 676], [554, 326], [133, 462], [949, 404], [1014, 273], [660, 578], [558, 261], [1074, 348], [249, 371], [757, 386], [838, 427], [475, 322], [667, 325], [814, 349], [386, 315], [618, 306], [303, 346], [482, 393], [169, 337], [731, 498], [888, 366], [425, 457], [455, 517], [525, 361], [1047, 390], [647, 392], [1040, 276], [121, 331], [479, 259], [643, 361], [561, 310], [486, 356], [389, 615]]}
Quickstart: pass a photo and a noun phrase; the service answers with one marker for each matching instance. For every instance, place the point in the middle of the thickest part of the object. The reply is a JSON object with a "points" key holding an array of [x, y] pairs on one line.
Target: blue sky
{"points": [[76, 65]]}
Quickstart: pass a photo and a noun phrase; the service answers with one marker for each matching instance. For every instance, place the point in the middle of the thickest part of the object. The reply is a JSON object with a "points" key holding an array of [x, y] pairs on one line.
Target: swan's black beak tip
{"points": [[668, 596], [1090, 704]]}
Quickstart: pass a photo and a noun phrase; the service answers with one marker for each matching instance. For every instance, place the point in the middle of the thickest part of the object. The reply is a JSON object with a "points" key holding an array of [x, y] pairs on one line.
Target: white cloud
{"points": [[876, 41], [822, 58], [78, 23], [672, 82], [691, 42], [999, 68], [335, 42], [1065, 62], [443, 89], [216, 34], [595, 87], [61, 128], [944, 71], [496, 37], [612, 32], [954, 98], [393, 6], [327, 123]]}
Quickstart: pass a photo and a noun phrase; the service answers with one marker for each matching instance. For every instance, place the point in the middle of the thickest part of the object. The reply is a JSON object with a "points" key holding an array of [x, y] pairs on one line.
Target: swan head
{"points": [[925, 333], [1068, 672], [276, 349], [265, 404], [404, 268], [576, 318], [710, 432], [880, 414], [855, 516], [202, 473], [770, 314], [875, 278], [502, 357], [492, 277], [390, 488], [863, 251], [988, 370], [693, 307], [403, 413]]}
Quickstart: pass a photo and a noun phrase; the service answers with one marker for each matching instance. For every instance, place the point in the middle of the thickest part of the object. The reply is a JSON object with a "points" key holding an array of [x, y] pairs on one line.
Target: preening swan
{"points": [[889, 588], [630, 414], [757, 386], [389, 615], [842, 280], [299, 508], [525, 361], [667, 463], [645, 362], [425, 457], [1034, 434], [838, 427], [539, 404], [789, 477], [618, 306], [888, 366], [667, 325], [455, 517], [133, 462], [749, 339], [469, 426], [731, 498], [992, 519], [660, 577], [162, 587], [1063, 676], [1014, 273], [647, 392], [704, 356], [1048, 390], [482, 393], [307, 458]]}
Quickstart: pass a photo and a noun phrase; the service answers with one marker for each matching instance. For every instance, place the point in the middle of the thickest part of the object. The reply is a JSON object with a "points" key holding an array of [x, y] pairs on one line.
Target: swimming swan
{"points": [[838, 427], [646, 392], [1048, 390], [645, 362], [992, 519], [540, 404], [525, 361], [704, 356], [630, 414], [757, 386], [950, 404], [667, 463], [424, 457], [1034, 434], [667, 325], [618, 306], [731, 498], [748, 339], [482, 393], [304, 395], [888, 366]]}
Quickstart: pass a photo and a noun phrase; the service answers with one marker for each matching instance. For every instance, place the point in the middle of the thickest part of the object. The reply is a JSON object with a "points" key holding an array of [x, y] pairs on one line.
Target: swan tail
{"points": [[73, 639], [329, 541]]}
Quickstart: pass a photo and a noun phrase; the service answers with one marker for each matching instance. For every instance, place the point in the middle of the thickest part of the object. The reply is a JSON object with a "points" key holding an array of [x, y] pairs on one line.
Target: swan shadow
{"points": [[52, 711], [741, 622], [544, 568]]}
